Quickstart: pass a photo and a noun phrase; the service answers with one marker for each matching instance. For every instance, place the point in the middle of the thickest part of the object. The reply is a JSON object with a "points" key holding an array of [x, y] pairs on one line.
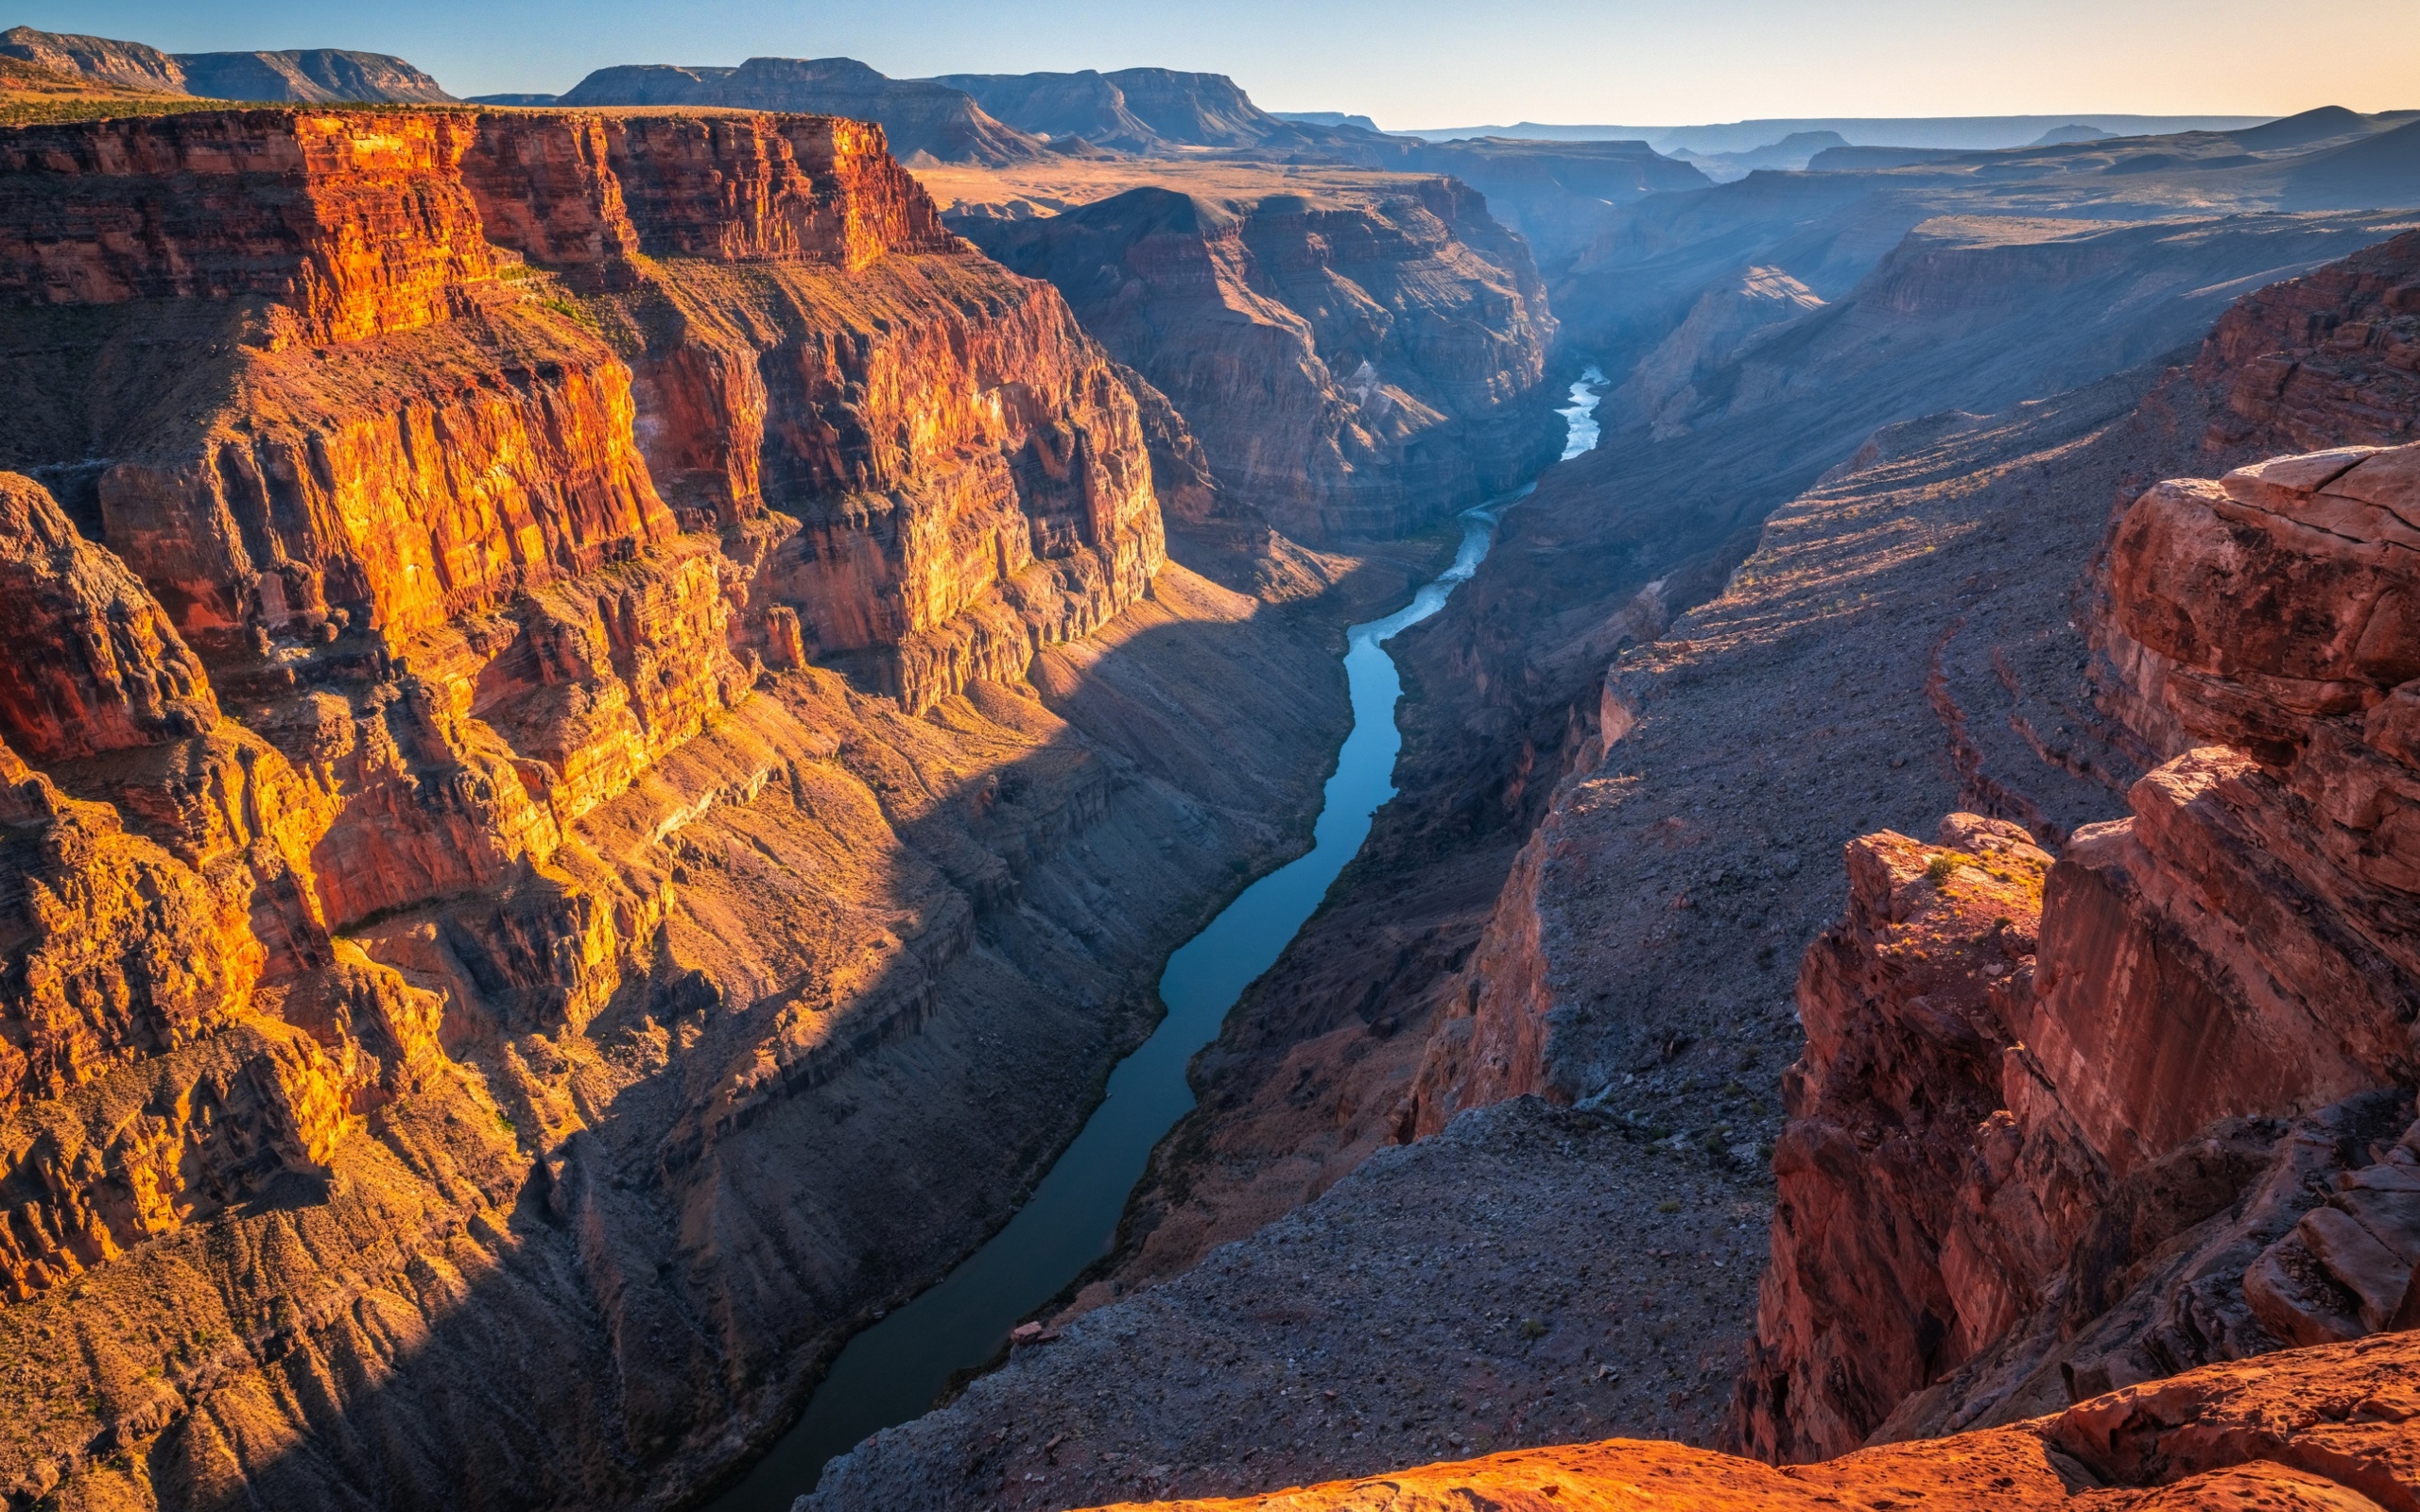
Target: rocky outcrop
{"points": [[2320, 1429], [2145, 1118], [1355, 365], [544, 655], [927, 121], [2323, 360]]}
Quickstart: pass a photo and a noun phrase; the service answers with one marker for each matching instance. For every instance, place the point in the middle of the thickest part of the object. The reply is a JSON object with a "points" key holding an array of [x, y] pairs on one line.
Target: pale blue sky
{"points": [[1417, 63]]}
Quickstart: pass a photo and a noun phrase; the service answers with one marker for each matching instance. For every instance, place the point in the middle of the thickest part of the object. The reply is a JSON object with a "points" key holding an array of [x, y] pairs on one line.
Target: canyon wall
{"points": [[548, 653], [1356, 362]]}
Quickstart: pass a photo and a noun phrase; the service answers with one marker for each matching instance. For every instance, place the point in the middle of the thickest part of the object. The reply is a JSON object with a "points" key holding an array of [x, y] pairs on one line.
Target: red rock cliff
{"points": [[2150, 1120]]}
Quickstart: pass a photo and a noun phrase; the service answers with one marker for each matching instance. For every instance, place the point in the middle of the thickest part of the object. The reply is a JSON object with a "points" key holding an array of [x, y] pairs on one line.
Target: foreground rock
{"points": [[598, 756], [2320, 1429]]}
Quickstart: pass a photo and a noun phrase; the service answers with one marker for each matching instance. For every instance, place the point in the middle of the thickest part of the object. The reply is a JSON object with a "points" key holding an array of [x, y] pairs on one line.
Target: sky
{"points": [[1414, 63]]}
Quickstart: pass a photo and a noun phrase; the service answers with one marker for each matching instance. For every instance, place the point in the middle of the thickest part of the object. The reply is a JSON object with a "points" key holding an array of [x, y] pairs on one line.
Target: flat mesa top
{"points": [[1051, 187]]}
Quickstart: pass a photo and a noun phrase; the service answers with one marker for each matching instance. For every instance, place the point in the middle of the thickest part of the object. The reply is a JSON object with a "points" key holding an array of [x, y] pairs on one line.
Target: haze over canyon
{"points": [[765, 787]]}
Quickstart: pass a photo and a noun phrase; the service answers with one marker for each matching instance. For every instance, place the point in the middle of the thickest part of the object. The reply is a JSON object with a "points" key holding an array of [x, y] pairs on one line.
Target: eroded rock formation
{"points": [[2067, 1126], [540, 647]]}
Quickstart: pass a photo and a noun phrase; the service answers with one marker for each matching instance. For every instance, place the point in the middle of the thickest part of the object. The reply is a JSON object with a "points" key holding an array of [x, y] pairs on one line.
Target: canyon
{"points": [[1660, 725], [622, 698]]}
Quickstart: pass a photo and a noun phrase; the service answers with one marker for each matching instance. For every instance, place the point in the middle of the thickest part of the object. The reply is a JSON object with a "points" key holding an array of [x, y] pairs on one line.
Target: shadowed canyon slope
{"points": [[620, 755], [1359, 356]]}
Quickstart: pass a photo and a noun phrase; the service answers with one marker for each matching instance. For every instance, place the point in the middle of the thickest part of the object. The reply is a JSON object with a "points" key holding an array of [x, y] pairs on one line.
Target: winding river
{"points": [[893, 1371]]}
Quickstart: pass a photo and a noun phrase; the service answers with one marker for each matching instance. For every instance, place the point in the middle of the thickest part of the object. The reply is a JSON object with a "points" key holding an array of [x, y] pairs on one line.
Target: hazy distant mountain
{"points": [[1790, 154], [923, 118], [1973, 132], [314, 75], [1144, 109], [2072, 132], [1327, 118]]}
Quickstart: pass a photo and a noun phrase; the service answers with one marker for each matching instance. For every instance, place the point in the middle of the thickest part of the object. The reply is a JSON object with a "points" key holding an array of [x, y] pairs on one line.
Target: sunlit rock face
{"points": [[539, 648]]}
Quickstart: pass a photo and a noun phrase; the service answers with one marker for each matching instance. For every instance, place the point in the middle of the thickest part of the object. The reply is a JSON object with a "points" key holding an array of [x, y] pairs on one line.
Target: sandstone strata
{"points": [[547, 650]]}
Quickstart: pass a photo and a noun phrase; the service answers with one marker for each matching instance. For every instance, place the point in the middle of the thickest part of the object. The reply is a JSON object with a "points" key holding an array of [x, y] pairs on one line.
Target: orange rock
{"points": [[485, 459], [366, 232], [2321, 1428]]}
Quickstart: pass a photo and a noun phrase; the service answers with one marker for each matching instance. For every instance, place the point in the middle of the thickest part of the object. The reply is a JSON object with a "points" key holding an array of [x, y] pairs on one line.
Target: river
{"points": [[893, 1371]]}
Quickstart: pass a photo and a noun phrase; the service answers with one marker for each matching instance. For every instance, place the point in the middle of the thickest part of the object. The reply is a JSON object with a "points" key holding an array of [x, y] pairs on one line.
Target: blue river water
{"points": [[893, 1371]]}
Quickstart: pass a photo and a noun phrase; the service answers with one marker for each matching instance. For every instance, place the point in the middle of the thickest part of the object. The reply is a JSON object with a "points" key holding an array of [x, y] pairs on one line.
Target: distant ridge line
{"points": [[1974, 132]]}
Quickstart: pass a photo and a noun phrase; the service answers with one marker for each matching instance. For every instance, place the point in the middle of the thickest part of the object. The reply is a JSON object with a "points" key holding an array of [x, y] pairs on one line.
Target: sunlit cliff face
{"points": [[422, 753]]}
